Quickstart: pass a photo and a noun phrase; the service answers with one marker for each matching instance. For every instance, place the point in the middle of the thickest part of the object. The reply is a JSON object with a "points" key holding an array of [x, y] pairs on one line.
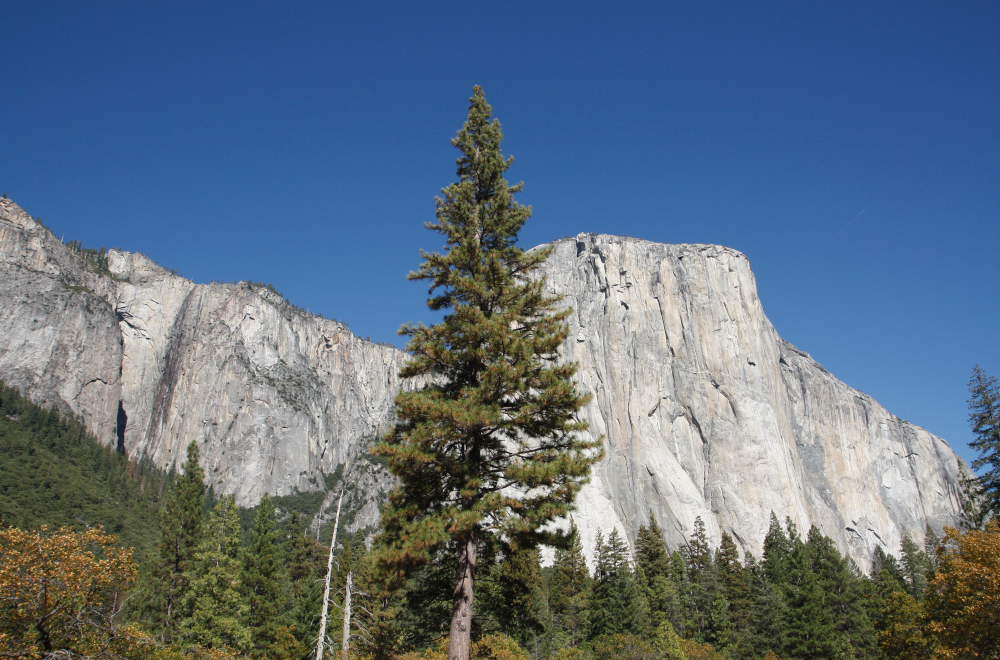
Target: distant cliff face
{"points": [[704, 409], [707, 412], [275, 397]]}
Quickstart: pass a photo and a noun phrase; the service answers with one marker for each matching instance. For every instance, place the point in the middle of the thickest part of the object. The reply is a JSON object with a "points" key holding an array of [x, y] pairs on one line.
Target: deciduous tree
{"points": [[964, 597], [60, 592]]}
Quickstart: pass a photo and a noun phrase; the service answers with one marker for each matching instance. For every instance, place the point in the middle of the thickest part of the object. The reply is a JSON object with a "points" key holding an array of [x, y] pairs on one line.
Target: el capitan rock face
{"points": [[704, 409], [707, 412]]}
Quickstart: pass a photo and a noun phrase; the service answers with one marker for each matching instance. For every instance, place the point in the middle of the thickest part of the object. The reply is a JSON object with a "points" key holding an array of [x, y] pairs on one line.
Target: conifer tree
{"points": [[734, 582], [708, 609], [569, 594], [515, 597], [492, 446], [617, 604], [266, 582], [843, 595], [777, 550], [984, 407], [215, 598], [306, 563], [651, 554], [915, 567], [181, 521], [809, 627], [681, 614], [425, 600], [653, 567], [886, 571], [768, 612]]}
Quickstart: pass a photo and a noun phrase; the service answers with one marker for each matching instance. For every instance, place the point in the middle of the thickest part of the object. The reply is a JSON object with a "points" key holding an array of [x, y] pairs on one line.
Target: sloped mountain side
{"points": [[704, 409], [150, 361]]}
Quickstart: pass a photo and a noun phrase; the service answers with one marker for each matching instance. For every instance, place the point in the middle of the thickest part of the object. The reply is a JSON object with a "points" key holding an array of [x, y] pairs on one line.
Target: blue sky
{"points": [[851, 150]]}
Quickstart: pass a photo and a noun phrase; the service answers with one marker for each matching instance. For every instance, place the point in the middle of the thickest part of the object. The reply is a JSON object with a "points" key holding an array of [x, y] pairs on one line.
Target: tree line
{"points": [[212, 591]]}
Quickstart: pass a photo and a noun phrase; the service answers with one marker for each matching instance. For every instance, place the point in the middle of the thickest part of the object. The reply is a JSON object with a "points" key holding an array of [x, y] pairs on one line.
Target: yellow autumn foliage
{"points": [[964, 597], [491, 647], [60, 590]]}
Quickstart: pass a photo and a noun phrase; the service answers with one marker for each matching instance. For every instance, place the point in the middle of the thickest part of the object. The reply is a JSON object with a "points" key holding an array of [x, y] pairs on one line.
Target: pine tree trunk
{"points": [[460, 636]]}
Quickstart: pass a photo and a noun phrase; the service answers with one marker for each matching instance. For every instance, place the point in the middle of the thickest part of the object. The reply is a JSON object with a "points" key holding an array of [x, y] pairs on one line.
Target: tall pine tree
{"points": [[569, 595], [617, 603], [219, 611], [492, 446], [984, 407], [266, 582], [653, 567], [181, 521]]}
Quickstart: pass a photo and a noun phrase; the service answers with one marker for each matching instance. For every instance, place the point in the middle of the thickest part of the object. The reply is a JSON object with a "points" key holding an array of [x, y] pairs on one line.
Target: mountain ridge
{"points": [[692, 385]]}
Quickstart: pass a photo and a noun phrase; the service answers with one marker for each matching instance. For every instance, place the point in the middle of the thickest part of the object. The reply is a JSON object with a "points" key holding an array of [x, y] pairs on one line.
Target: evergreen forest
{"points": [[136, 563]]}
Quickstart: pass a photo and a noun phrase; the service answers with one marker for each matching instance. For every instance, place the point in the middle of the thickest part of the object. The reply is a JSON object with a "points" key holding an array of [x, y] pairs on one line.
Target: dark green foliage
{"points": [[984, 416], [681, 614], [181, 520], [709, 620], [306, 563], [490, 450], [777, 552], [662, 588], [265, 581], [809, 625], [54, 472], [617, 603], [915, 567], [844, 594], [424, 603], [96, 259], [215, 599], [825, 598], [735, 585], [501, 411], [569, 595], [886, 571], [769, 613], [513, 598], [651, 554]]}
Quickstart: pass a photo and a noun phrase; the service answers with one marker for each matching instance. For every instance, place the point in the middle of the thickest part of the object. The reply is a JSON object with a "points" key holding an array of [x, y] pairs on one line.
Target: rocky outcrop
{"points": [[704, 409], [59, 338], [275, 397]]}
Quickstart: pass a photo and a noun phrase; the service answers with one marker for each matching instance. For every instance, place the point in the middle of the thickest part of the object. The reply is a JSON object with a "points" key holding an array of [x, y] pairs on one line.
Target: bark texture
{"points": [[460, 633]]}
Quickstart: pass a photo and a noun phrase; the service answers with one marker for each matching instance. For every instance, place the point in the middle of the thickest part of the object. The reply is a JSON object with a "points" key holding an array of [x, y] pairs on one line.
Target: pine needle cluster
{"points": [[492, 446]]}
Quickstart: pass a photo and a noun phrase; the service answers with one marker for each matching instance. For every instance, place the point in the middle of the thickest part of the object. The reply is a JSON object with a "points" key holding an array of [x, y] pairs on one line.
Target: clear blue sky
{"points": [[851, 149]]}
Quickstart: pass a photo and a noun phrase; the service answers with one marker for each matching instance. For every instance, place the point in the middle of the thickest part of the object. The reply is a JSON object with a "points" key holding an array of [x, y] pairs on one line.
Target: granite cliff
{"points": [[704, 409]]}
